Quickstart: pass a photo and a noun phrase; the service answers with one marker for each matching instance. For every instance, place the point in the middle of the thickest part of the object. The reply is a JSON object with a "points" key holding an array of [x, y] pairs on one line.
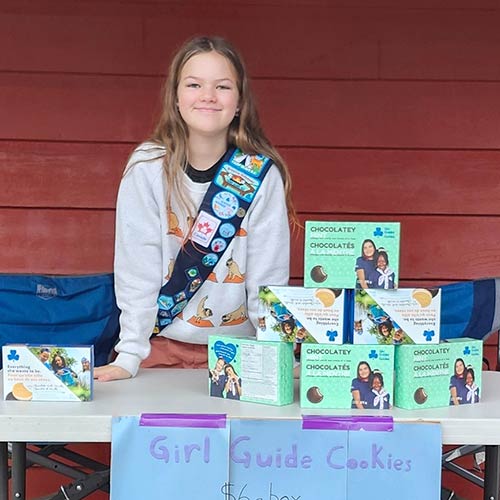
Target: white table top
{"points": [[186, 391]]}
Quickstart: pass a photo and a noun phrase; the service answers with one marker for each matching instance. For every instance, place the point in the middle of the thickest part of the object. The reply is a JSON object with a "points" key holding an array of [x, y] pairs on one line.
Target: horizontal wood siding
{"points": [[384, 110]]}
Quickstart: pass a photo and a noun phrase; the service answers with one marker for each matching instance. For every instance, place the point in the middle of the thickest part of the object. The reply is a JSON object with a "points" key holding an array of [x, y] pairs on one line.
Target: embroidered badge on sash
{"points": [[204, 229], [225, 205], [227, 230], [165, 302], [218, 245], [237, 182], [252, 164]]}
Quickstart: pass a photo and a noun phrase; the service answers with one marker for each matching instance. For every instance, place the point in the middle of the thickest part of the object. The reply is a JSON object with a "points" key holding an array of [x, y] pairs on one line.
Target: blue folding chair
{"points": [[63, 310], [469, 309]]}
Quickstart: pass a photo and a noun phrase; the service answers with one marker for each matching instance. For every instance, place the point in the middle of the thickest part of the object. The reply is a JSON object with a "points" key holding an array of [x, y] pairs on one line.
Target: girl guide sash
{"points": [[221, 212]]}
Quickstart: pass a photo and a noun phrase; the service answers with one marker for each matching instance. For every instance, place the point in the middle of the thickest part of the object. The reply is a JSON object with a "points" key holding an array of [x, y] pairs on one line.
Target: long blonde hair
{"points": [[245, 131]]}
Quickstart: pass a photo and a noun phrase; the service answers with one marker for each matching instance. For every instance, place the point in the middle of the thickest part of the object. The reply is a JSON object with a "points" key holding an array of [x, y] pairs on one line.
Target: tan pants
{"points": [[167, 353]]}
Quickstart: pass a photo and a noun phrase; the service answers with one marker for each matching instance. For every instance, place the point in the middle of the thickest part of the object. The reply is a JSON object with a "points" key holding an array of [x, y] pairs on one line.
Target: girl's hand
{"points": [[110, 372]]}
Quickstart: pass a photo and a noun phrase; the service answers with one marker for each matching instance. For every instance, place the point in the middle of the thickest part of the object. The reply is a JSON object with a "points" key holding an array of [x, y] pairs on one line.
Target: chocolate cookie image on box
{"points": [[318, 274], [314, 395], [420, 396]]}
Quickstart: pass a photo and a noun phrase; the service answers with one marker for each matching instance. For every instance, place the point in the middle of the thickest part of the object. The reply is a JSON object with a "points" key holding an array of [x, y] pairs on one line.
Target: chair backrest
{"points": [[470, 309], [64, 310]]}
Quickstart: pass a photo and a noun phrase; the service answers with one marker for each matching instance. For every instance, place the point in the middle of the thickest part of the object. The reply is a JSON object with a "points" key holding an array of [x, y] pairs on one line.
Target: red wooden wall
{"points": [[384, 109]]}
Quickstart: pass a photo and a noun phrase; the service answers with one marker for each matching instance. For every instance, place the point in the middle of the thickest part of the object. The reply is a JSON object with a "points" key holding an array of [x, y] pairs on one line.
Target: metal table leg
{"points": [[4, 471], [18, 468], [492, 473]]}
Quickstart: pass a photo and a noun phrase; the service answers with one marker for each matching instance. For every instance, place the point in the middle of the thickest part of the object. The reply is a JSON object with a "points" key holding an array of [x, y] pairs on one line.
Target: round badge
{"points": [[225, 204], [218, 245], [227, 230], [241, 212], [209, 260]]}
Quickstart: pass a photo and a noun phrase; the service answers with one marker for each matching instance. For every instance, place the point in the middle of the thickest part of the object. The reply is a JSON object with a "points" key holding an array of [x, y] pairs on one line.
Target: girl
{"points": [[288, 329], [472, 390], [384, 277], [360, 387], [232, 388], [365, 265], [385, 332], [209, 120], [65, 374], [457, 383], [217, 378], [379, 397]]}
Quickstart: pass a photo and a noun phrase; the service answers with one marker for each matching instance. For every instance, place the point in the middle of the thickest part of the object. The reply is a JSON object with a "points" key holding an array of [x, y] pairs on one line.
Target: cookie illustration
{"points": [[420, 396], [325, 296], [318, 274], [314, 395], [21, 393], [422, 296]]}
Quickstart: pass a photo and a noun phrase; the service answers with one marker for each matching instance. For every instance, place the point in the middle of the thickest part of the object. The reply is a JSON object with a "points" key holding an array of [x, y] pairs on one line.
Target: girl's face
{"points": [[368, 250], [207, 94], [301, 333], [230, 371], [459, 368], [219, 365], [381, 262], [398, 335], [59, 361], [377, 385], [384, 330], [363, 371], [469, 379], [287, 327]]}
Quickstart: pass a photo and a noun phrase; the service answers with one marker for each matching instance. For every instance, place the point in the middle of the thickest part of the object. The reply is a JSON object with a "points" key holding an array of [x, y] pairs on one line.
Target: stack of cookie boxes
{"points": [[428, 373], [316, 320], [367, 348]]}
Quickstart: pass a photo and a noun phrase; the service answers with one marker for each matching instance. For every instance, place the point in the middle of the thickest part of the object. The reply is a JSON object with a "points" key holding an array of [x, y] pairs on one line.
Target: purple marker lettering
{"points": [[376, 462], [398, 464], [264, 462], [291, 458], [188, 449], [160, 452], [330, 460], [245, 458]]}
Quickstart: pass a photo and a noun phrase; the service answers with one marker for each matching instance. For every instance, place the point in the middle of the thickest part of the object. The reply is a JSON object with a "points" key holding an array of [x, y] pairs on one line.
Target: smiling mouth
{"points": [[207, 110]]}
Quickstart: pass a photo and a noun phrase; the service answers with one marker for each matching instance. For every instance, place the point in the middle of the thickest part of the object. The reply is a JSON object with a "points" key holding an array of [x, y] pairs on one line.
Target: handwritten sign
{"points": [[405, 463], [148, 461], [275, 460], [278, 460]]}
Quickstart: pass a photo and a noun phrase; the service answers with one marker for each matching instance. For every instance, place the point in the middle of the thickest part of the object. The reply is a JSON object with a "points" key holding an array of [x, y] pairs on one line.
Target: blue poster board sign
{"points": [[154, 455], [405, 463], [278, 460], [317, 458]]}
